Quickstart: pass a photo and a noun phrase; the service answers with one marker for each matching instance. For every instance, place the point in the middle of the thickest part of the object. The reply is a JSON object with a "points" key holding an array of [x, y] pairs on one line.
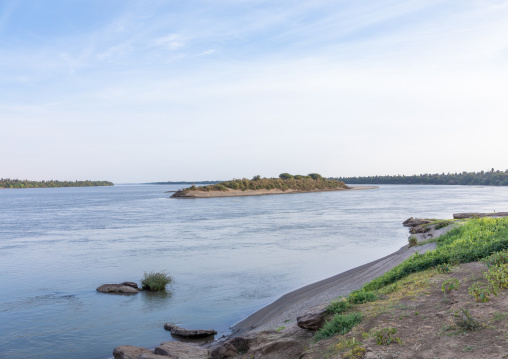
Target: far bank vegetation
{"points": [[16, 183], [286, 181]]}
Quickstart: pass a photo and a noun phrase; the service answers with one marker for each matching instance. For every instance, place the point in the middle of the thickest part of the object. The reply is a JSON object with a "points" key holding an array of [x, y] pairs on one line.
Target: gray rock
{"points": [[311, 321], [131, 284], [241, 344], [152, 355], [413, 222], [117, 288], [179, 350], [130, 352], [224, 351], [189, 333]]}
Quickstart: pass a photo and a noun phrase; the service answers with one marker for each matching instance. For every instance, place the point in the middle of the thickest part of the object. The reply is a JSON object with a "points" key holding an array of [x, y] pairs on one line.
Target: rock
{"points": [[420, 229], [152, 355], [179, 350], [131, 284], [226, 350], [181, 332], [230, 348], [311, 321], [130, 352], [413, 222], [117, 288], [241, 344]]}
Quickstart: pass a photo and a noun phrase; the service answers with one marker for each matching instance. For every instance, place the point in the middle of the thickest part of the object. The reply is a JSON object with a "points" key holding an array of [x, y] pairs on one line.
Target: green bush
{"points": [[412, 241], [156, 281], [498, 276], [339, 324], [482, 292], [386, 336], [338, 306], [361, 296], [496, 258], [464, 320]]}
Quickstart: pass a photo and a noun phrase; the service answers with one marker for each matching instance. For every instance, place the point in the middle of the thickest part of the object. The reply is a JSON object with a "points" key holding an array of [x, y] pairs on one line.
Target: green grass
{"points": [[339, 324], [338, 306], [476, 239], [156, 281]]}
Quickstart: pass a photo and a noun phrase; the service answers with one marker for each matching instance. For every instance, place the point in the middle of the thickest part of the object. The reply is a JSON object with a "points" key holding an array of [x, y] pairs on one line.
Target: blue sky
{"points": [[135, 91]]}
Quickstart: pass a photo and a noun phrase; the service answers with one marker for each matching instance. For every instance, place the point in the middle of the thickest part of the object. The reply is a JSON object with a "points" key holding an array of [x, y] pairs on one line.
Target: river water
{"points": [[228, 256]]}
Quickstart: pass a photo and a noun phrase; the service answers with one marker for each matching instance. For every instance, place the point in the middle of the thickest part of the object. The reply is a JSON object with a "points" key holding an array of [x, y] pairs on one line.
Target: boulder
{"points": [[311, 321], [130, 352], [195, 333], [226, 350], [413, 222], [240, 344], [117, 288], [230, 348], [179, 350]]}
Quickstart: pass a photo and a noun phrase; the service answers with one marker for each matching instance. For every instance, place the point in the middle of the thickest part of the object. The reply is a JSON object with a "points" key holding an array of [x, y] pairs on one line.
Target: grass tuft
{"points": [[339, 324], [156, 281]]}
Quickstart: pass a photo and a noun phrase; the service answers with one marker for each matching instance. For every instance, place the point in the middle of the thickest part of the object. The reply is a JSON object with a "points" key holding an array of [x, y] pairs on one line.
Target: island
{"points": [[286, 183], [16, 183]]}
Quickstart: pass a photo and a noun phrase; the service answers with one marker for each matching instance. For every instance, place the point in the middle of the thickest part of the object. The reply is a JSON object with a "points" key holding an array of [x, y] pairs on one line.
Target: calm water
{"points": [[228, 256]]}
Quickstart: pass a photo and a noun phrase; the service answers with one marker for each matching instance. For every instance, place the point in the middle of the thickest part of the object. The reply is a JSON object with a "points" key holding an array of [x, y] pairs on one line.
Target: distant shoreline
{"points": [[237, 193]]}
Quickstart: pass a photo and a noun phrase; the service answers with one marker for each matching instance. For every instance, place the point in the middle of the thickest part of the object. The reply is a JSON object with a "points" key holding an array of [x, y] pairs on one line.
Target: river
{"points": [[228, 256]]}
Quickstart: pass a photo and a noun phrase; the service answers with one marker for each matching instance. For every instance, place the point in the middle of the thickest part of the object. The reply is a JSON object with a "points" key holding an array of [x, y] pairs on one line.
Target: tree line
{"points": [[286, 181], [16, 183], [482, 178]]}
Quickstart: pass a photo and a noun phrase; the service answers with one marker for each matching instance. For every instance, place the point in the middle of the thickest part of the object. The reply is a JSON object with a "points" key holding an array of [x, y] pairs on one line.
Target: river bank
{"points": [[235, 193]]}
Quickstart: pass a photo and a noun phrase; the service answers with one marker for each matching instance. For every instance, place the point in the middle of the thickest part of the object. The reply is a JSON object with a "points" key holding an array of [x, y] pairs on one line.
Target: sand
{"points": [[236, 193]]}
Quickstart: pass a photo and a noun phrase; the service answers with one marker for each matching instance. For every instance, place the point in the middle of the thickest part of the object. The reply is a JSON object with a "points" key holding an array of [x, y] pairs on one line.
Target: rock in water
{"points": [[130, 352], [131, 284], [311, 321], [117, 288], [181, 332], [179, 350]]}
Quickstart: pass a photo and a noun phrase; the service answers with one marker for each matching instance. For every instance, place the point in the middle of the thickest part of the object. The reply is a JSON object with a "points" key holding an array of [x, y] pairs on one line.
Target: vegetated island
{"points": [[16, 183], [482, 178], [286, 183]]}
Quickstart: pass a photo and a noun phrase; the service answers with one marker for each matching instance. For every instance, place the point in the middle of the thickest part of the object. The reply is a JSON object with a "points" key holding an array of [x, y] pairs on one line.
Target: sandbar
{"points": [[235, 193]]}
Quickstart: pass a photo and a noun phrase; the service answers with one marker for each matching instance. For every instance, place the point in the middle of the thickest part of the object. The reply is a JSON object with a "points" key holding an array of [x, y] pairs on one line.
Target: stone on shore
{"points": [[311, 321], [117, 288], [179, 350], [181, 332], [413, 222], [230, 348], [130, 352]]}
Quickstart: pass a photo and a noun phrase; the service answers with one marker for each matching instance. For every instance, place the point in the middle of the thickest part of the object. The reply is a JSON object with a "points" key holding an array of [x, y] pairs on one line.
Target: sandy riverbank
{"points": [[235, 193]]}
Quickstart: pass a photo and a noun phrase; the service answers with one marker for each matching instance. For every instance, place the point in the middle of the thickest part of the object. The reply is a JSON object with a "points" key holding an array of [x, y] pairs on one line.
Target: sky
{"points": [[140, 91]]}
